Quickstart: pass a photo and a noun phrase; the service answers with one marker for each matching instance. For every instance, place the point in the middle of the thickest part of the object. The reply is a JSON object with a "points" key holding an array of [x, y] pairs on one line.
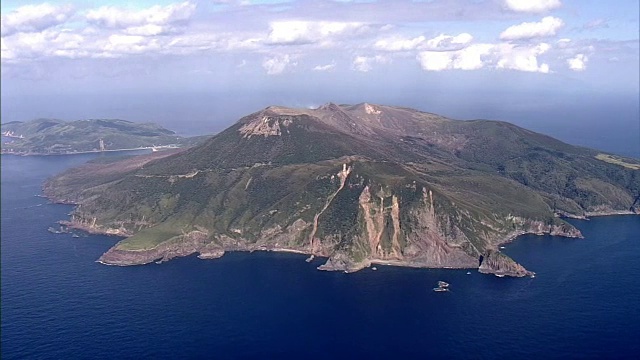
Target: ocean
{"points": [[58, 303]]}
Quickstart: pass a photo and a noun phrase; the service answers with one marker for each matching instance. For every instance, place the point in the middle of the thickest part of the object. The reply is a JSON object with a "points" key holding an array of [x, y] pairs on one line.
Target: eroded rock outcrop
{"points": [[182, 245], [499, 264]]}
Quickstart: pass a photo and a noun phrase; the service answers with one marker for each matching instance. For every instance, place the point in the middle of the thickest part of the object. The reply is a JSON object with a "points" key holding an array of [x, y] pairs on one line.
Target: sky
{"points": [[197, 66]]}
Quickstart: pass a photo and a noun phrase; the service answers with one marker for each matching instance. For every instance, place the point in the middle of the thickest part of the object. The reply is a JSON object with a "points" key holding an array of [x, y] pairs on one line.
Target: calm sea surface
{"points": [[58, 303]]}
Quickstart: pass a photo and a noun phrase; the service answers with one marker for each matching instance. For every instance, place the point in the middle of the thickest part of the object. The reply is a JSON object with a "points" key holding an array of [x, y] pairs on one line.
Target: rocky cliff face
{"points": [[411, 236], [494, 262]]}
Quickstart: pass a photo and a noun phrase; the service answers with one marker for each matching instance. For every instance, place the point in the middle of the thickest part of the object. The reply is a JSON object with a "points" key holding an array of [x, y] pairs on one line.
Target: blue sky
{"points": [[207, 62]]}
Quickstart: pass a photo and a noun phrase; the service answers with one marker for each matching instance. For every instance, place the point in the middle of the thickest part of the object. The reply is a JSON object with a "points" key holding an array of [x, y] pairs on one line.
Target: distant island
{"points": [[57, 137], [357, 184]]}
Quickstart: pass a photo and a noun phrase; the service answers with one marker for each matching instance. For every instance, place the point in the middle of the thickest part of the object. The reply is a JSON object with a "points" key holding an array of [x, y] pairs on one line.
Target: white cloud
{"points": [[277, 64], [578, 63], [478, 56], [436, 60], [325, 67], [115, 32], [229, 42], [118, 45], [365, 63], [6, 53], [147, 30], [548, 26], [32, 18], [199, 41], [117, 40], [308, 32], [69, 40], [399, 44], [472, 57], [563, 43], [440, 42], [106, 43], [50, 42], [443, 41], [522, 58], [533, 6], [187, 43], [114, 17]]}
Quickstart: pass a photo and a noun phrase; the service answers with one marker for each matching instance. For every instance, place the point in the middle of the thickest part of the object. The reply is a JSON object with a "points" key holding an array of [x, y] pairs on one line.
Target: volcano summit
{"points": [[357, 184]]}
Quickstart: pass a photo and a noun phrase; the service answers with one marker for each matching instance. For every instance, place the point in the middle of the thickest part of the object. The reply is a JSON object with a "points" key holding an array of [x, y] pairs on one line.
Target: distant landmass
{"points": [[51, 136], [358, 184]]}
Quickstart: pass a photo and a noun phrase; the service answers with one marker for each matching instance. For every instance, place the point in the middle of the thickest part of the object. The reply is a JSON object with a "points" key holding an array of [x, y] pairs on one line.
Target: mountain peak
{"points": [[362, 119], [371, 109], [283, 110], [329, 106]]}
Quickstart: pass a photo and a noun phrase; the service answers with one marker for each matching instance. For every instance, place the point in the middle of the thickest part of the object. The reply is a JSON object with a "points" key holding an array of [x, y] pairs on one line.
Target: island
{"points": [[356, 184], [58, 137]]}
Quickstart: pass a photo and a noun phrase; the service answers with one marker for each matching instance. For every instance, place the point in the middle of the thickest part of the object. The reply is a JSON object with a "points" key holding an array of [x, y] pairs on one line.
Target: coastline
{"points": [[608, 213], [591, 214], [514, 235], [159, 148], [494, 261]]}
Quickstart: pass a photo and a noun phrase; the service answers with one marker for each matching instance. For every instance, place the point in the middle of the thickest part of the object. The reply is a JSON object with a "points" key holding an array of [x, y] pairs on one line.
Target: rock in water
{"points": [[497, 263]]}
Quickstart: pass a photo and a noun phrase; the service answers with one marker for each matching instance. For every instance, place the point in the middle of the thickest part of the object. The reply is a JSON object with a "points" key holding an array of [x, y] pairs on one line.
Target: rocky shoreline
{"points": [[537, 228], [197, 242], [494, 262], [438, 255], [590, 214], [491, 261]]}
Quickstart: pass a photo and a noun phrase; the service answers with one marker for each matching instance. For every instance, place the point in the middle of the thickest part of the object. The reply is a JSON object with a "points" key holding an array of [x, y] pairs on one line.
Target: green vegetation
{"points": [[149, 238], [266, 179]]}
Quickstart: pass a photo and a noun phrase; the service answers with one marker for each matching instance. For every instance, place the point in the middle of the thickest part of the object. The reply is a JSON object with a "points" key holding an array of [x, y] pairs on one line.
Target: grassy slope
{"points": [[618, 160]]}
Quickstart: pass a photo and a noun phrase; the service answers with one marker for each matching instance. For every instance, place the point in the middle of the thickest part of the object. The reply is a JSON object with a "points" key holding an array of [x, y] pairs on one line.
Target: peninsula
{"points": [[357, 184], [57, 137]]}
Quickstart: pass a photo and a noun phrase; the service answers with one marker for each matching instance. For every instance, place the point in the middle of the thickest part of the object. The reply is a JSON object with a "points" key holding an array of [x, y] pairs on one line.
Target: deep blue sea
{"points": [[58, 303]]}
